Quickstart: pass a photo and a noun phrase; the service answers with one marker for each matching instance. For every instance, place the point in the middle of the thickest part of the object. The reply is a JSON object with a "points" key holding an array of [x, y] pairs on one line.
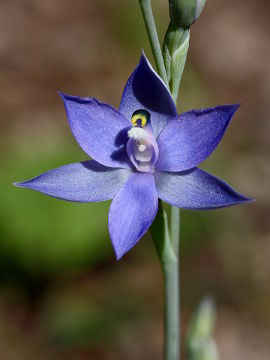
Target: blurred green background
{"points": [[62, 294]]}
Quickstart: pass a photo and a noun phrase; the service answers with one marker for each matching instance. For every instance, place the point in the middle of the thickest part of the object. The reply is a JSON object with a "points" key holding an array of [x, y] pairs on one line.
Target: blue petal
{"points": [[146, 90], [189, 139], [132, 212], [100, 130], [197, 190], [87, 181]]}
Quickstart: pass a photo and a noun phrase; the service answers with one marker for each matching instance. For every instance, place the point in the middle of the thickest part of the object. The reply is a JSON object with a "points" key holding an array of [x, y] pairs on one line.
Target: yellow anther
{"points": [[141, 116]]}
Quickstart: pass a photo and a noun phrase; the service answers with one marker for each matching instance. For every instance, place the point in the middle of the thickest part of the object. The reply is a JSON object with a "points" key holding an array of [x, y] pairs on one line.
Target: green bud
{"points": [[200, 344], [201, 349], [175, 49], [203, 320], [184, 13]]}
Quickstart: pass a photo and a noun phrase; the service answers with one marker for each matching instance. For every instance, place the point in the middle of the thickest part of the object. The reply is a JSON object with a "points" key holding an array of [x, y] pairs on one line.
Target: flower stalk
{"points": [[170, 65], [169, 259], [172, 313], [168, 243], [153, 38]]}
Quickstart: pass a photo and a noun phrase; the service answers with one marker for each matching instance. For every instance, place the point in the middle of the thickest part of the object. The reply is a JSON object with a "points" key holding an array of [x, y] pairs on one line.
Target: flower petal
{"points": [[146, 90], [132, 212], [189, 139], [100, 130], [196, 189], [87, 181]]}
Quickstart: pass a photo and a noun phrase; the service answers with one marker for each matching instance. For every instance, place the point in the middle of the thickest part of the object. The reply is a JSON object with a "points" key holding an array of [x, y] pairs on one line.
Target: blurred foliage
{"points": [[78, 321], [131, 20], [42, 234]]}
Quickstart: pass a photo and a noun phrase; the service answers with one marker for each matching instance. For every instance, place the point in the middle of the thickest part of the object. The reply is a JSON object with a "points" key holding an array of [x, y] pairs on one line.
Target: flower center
{"points": [[140, 118], [142, 147]]}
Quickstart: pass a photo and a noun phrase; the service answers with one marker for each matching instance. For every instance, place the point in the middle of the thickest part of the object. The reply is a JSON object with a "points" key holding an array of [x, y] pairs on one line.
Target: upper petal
{"points": [[189, 139], [87, 181], [196, 189], [146, 90], [100, 130], [132, 212]]}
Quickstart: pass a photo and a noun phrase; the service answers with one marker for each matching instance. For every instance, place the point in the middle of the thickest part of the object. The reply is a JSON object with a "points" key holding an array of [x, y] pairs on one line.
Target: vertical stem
{"points": [[175, 229], [170, 263], [153, 38], [171, 269], [172, 288], [172, 313]]}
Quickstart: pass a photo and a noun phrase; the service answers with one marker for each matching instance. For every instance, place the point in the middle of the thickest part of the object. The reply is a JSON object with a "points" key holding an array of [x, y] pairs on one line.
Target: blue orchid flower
{"points": [[141, 152]]}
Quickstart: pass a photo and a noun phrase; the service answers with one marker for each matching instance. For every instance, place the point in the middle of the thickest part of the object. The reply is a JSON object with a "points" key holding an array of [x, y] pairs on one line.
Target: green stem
{"points": [[153, 38], [174, 95], [175, 229], [170, 267], [169, 250], [171, 270], [172, 313]]}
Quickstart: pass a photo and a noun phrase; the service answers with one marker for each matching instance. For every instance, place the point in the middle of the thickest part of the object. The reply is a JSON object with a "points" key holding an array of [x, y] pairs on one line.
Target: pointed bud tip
{"points": [[184, 13]]}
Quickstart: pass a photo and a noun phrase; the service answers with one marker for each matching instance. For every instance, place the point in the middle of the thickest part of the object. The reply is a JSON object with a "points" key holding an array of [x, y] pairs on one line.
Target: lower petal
{"points": [[196, 189], [87, 181], [132, 212]]}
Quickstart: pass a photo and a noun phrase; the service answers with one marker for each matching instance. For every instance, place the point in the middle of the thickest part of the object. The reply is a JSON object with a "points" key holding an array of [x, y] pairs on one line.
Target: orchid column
{"points": [[170, 63]]}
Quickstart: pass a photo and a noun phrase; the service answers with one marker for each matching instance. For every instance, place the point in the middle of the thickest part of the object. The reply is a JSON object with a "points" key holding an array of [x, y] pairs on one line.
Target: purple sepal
{"points": [[87, 181], [196, 190], [100, 130], [146, 90], [190, 138], [132, 212]]}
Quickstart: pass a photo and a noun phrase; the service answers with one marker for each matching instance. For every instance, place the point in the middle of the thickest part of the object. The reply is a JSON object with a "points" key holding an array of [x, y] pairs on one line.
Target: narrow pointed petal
{"points": [[146, 90], [87, 181], [189, 139], [196, 190], [99, 129], [132, 212]]}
